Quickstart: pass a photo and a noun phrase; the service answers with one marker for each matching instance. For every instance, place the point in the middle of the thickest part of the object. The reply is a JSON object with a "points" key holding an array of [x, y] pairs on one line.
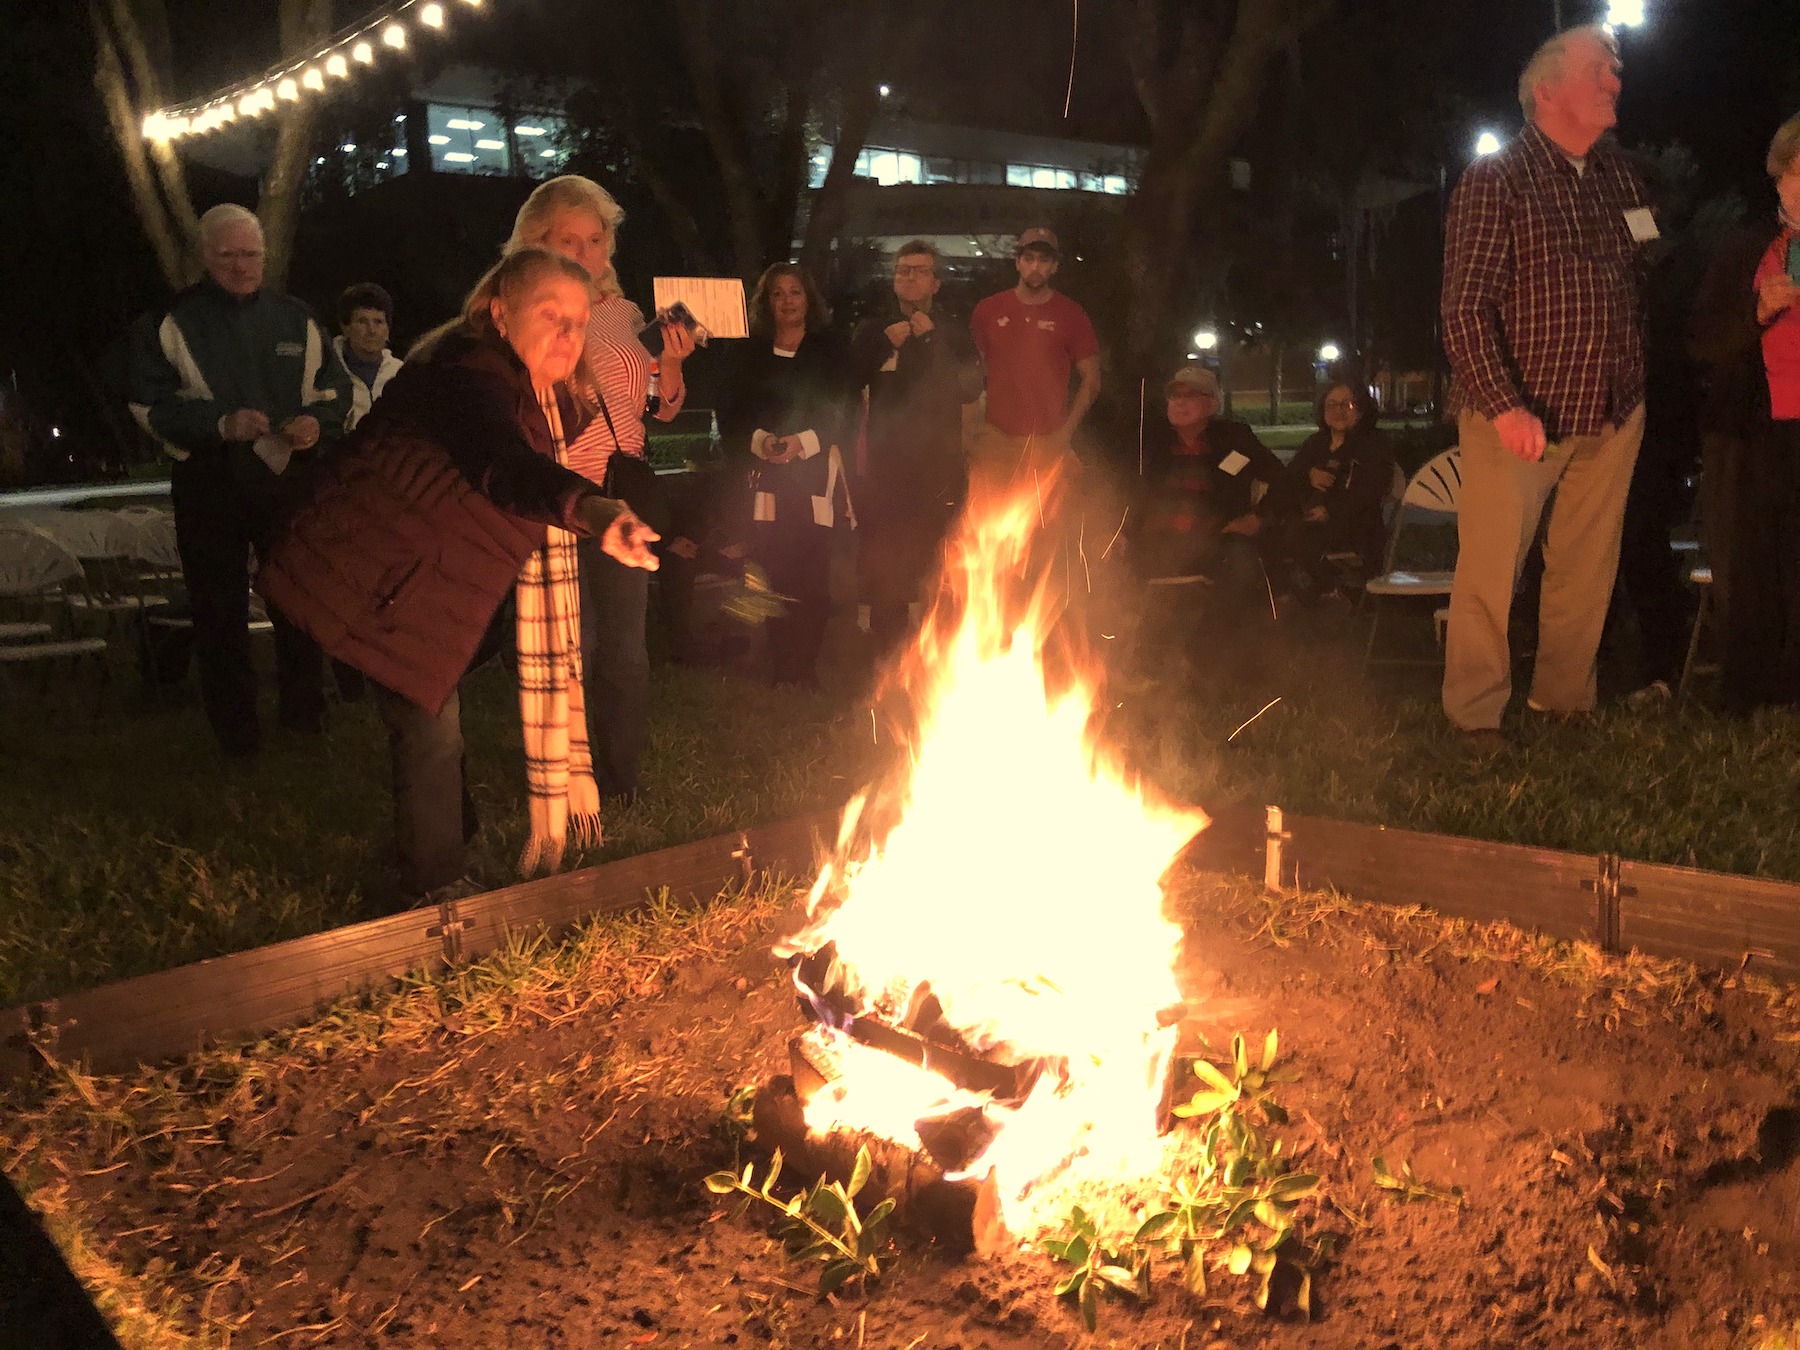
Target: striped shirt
{"points": [[620, 368], [1541, 300]]}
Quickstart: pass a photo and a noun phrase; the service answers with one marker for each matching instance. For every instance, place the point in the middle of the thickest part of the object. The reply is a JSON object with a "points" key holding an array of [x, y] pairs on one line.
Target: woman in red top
{"points": [[1746, 327]]}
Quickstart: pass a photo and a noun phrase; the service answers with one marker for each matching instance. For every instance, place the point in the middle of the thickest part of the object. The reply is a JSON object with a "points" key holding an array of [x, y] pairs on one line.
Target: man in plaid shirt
{"points": [[1544, 330]]}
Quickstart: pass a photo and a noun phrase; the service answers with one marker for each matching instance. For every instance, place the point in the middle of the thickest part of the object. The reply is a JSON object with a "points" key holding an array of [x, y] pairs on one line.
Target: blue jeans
{"points": [[615, 666]]}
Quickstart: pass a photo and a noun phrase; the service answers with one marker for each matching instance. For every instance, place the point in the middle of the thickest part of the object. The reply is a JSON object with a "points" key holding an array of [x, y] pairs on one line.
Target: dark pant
{"points": [[796, 554], [615, 666], [1648, 570], [899, 545], [1761, 642], [434, 816], [224, 507]]}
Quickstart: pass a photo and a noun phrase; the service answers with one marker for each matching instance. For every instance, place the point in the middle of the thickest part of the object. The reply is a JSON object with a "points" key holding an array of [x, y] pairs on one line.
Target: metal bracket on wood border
{"points": [[1272, 851], [1608, 892], [743, 856], [449, 927]]}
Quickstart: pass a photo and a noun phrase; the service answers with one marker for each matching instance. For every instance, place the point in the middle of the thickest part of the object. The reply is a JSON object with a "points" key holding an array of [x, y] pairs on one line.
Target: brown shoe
{"points": [[1483, 742]]}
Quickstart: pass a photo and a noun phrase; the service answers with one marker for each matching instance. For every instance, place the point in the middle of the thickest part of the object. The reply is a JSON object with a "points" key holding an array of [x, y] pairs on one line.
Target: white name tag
{"points": [[1233, 463], [822, 512], [762, 506], [1642, 224]]}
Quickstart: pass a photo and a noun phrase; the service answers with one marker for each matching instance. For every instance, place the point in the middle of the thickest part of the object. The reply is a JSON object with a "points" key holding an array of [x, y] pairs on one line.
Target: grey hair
{"points": [[1546, 62], [531, 227], [225, 213], [1785, 147]]}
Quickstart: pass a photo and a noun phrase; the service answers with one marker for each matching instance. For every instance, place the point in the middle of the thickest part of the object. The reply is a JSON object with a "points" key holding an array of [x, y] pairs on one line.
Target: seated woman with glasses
{"points": [[1338, 482]]}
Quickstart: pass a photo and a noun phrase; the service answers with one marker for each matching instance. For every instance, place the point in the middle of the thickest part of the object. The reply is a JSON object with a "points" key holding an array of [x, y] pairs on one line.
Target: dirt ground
{"points": [[1648, 1118]]}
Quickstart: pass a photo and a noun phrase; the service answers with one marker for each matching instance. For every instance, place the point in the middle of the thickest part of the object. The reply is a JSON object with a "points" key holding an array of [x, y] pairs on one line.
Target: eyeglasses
{"points": [[915, 270], [1339, 404]]}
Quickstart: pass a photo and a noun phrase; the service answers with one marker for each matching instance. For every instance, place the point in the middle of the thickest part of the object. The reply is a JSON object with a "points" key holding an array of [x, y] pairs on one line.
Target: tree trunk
{"points": [[743, 198], [128, 81], [1200, 94], [829, 203], [304, 24]]}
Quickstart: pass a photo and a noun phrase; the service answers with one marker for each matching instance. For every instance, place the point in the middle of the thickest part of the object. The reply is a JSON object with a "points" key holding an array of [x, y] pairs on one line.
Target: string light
{"points": [[356, 45]]}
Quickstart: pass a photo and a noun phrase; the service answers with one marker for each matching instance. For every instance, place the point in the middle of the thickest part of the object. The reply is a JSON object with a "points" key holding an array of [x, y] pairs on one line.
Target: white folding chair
{"points": [[37, 574], [1430, 499]]}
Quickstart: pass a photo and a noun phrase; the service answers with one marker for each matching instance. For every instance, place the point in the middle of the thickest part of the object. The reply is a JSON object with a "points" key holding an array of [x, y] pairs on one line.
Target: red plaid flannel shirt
{"points": [[1541, 301]]}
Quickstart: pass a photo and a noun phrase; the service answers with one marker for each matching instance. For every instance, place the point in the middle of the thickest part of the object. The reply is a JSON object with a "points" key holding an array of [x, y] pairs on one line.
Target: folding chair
{"points": [[1430, 499], [38, 576]]}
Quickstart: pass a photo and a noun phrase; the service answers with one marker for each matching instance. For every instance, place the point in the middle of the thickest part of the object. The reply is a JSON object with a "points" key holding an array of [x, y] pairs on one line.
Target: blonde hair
{"points": [[1784, 147], [506, 281], [1546, 62], [570, 192]]}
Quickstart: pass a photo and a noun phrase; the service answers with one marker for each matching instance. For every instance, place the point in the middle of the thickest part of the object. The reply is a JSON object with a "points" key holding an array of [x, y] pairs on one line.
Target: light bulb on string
{"points": [[336, 65], [288, 90], [312, 79], [394, 36], [432, 16], [363, 52]]}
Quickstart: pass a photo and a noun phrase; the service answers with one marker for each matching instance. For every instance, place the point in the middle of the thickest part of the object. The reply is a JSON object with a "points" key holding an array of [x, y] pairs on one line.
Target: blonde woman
{"points": [[576, 217]]}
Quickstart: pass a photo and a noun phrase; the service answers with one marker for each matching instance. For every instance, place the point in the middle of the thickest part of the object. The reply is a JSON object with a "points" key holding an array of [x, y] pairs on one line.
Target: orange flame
{"points": [[1012, 864]]}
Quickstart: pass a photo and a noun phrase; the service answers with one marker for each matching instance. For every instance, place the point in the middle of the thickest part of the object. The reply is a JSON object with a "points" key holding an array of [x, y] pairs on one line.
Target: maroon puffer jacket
{"points": [[411, 533]]}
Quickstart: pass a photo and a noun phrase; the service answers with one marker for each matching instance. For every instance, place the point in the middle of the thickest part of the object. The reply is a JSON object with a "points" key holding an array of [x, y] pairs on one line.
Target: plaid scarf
{"points": [[558, 768]]}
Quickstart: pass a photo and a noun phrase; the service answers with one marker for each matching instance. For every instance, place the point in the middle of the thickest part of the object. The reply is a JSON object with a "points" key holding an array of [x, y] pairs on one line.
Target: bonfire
{"points": [[988, 955]]}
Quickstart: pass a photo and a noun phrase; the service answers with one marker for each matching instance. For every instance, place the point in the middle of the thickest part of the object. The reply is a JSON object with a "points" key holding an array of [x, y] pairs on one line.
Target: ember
{"points": [[993, 912]]}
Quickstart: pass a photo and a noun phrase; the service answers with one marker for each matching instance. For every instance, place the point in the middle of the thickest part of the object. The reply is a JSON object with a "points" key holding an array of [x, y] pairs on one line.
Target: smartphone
{"points": [[651, 334]]}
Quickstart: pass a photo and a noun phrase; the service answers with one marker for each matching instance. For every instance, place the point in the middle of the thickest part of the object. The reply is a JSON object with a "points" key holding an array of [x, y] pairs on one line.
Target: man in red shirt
{"points": [[1030, 339]]}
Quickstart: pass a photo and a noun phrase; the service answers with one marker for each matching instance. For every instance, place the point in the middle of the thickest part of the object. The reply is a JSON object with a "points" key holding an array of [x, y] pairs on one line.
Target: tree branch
{"points": [[109, 80], [744, 199], [303, 24]]}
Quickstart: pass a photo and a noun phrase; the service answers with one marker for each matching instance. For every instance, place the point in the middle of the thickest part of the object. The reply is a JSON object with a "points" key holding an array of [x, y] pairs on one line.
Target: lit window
{"points": [[1116, 184], [438, 140], [1091, 182], [490, 145], [863, 159], [458, 157], [1018, 175], [523, 130], [1044, 178], [400, 151], [547, 154], [464, 124]]}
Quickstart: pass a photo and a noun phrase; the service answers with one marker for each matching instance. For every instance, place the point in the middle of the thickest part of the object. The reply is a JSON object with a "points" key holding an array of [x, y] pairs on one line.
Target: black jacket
{"points": [[1221, 496], [786, 396], [410, 536], [914, 441]]}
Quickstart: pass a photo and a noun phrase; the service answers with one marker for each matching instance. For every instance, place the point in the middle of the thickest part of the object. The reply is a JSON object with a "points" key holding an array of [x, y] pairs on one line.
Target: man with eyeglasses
{"points": [[236, 381], [920, 377]]}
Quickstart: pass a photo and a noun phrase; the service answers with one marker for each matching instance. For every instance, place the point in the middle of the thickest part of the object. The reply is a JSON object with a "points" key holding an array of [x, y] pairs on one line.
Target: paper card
{"points": [[1642, 224], [717, 302], [1234, 463]]}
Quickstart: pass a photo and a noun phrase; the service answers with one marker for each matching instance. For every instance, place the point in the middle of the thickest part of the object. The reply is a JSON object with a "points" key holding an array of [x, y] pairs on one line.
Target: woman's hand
{"points": [[1321, 479], [628, 540], [1776, 294], [678, 345], [1314, 514]]}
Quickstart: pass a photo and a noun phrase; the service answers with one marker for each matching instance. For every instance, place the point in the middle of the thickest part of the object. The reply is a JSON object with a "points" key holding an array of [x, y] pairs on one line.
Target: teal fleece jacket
{"points": [[209, 354]]}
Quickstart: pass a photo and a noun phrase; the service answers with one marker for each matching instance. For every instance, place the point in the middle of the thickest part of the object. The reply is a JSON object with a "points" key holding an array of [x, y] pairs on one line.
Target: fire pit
{"points": [[987, 963]]}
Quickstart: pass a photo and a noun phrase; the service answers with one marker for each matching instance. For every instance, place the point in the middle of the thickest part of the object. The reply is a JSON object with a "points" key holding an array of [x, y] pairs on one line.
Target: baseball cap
{"points": [[1193, 380], [1038, 237]]}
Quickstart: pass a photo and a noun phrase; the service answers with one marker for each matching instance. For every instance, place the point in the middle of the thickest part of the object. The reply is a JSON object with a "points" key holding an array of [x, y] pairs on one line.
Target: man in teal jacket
{"points": [[236, 381]]}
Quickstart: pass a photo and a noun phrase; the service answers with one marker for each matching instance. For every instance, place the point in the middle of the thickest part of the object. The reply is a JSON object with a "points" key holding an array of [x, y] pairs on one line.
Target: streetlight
{"points": [[1329, 353], [1206, 339], [1624, 13], [885, 90], [1486, 143]]}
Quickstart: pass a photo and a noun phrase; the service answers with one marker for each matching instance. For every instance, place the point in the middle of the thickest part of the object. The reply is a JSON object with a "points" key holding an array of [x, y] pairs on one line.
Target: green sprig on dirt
{"points": [[820, 1223]]}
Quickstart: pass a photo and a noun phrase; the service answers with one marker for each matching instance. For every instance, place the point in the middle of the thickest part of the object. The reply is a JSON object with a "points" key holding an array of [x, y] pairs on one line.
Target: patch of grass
{"points": [[128, 846]]}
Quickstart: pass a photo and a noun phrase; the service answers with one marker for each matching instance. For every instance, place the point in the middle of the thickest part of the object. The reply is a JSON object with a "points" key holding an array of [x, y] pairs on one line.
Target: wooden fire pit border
{"points": [[1710, 918], [172, 1013]]}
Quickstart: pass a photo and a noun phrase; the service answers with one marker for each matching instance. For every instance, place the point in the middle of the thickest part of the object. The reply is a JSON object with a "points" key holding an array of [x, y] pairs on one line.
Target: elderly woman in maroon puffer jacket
{"points": [[414, 533]]}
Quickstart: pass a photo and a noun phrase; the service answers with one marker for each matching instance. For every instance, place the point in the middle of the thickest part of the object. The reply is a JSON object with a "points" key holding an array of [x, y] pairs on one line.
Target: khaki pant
{"points": [[997, 459], [1497, 517]]}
